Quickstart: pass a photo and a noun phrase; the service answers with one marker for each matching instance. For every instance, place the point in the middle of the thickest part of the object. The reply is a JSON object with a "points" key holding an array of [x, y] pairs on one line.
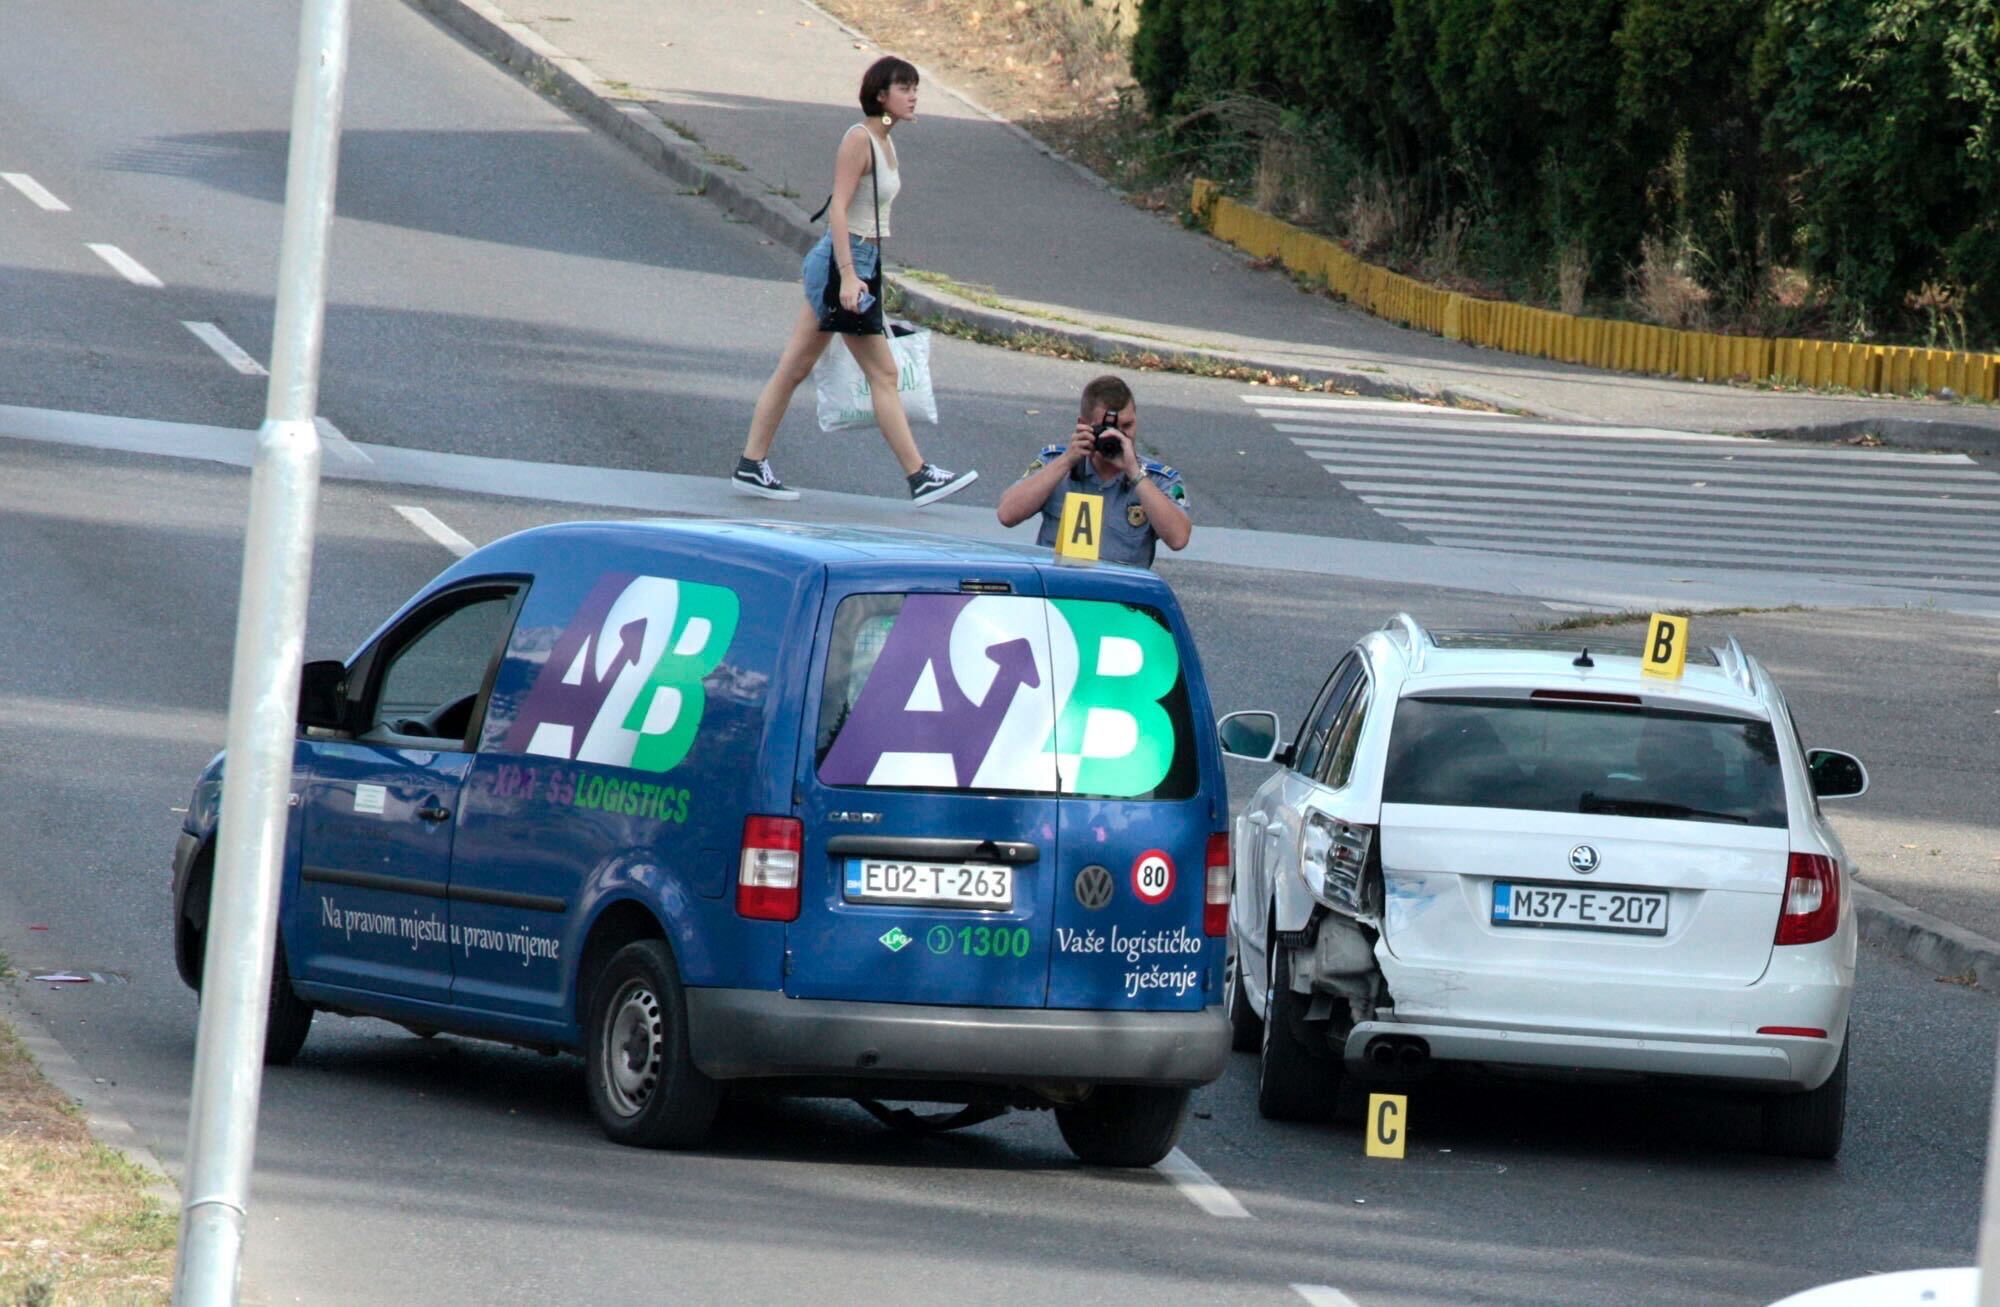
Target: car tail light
{"points": [[1215, 886], [767, 878], [1802, 1032], [1812, 900]]}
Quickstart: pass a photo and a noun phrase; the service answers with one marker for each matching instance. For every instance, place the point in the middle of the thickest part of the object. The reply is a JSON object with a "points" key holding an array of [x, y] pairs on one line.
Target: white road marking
{"points": [[34, 190], [335, 440], [1527, 427], [1339, 405], [426, 521], [1436, 481], [1321, 1295], [126, 266], [232, 353], [1975, 516], [1653, 527], [1670, 470], [1199, 1188], [1737, 448], [1926, 566], [1597, 581]]}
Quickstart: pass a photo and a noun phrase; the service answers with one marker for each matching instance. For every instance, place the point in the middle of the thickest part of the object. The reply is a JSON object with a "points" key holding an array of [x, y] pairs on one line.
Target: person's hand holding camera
{"points": [[1110, 441]]}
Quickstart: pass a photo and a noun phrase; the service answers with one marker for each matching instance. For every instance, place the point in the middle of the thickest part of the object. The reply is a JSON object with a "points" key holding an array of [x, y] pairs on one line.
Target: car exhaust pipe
{"points": [[1397, 1054], [1412, 1055], [1382, 1053]]}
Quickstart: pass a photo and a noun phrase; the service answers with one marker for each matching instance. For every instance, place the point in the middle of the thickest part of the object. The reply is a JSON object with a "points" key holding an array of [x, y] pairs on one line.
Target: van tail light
{"points": [[1812, 900], [1215, 886], [767, 877]]}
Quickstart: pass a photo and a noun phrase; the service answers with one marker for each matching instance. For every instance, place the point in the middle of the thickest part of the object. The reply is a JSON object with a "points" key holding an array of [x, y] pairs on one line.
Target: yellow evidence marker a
{"points": [[1387, 1131], [1082, 526], [1666, 646]]}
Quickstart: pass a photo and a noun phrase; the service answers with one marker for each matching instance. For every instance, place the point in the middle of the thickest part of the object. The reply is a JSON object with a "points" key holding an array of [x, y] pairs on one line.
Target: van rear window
{"points": [[1550, 756], [1005, 694]]}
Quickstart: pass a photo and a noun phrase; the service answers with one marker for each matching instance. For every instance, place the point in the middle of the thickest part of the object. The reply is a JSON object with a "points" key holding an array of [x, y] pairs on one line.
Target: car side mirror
{"points": [[1252, 735], [323, 695], [1836, 775]]}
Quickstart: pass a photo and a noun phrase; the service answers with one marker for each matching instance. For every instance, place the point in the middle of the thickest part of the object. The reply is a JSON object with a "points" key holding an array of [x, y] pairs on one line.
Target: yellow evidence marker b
{"points": [[1387, 1131], [1666, 646], [1082, 526]]}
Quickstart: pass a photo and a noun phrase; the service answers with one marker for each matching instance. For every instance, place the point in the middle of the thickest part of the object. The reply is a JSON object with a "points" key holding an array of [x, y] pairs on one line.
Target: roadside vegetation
{"points": [[76, 1224], [1764, 167]]}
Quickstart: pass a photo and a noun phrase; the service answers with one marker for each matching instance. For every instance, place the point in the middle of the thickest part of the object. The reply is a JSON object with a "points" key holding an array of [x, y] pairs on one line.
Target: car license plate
{"points": [[1632, 911], [930, 884]]}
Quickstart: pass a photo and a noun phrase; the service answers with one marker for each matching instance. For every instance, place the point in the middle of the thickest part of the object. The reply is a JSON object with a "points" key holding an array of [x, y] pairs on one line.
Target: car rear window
{"points": [[1005, 694], [1580, 757]]}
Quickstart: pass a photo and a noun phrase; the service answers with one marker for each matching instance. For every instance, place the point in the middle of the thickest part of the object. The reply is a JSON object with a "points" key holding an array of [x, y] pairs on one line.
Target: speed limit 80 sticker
{"points": [[1153, 876]]}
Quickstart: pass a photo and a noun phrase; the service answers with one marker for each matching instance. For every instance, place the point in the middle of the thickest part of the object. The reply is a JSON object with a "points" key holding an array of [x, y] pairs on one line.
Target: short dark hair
{"points": [[884, 73], [1109, 391]]}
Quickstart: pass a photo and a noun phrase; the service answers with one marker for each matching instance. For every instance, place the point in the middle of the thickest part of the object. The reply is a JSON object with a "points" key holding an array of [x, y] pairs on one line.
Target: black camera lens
{"points": [[1108, 447]]}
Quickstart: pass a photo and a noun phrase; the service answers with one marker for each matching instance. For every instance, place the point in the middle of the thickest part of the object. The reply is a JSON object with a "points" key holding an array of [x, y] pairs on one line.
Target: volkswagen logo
{"points": [[1583, 859], [1093, 887]]}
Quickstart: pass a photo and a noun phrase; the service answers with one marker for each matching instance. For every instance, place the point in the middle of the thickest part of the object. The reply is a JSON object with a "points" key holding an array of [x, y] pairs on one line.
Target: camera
{"points": [[1108, 445]]}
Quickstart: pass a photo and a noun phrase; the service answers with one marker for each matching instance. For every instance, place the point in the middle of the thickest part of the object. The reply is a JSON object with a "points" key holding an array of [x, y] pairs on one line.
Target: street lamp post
{"points": [[263, 696]]}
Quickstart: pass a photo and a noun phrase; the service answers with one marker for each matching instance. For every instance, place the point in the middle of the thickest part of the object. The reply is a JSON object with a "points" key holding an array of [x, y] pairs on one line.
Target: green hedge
{"points": [[1855, 139]]}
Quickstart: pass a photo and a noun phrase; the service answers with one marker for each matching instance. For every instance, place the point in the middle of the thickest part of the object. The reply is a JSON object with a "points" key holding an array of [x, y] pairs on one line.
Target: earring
{"points": [[888, 120]]}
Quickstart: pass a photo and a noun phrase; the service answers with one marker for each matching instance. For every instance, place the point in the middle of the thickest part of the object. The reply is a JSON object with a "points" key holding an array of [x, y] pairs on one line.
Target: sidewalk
{"points": [[699, 86]]}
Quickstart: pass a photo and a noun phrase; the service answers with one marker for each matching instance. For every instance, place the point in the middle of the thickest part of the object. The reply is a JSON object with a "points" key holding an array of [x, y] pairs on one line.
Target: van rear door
{"points": [[1136, 818], [927, 792]]}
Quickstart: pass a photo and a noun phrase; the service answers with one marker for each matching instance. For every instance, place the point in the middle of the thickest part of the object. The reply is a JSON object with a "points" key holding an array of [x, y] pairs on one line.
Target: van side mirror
{"points": [[1836, 775], [1252, 735], [323, 695]]}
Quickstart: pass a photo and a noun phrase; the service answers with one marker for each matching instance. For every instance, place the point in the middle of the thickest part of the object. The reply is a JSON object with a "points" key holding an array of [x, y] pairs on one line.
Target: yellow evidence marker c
{"points": [[1387, 1128], [1666, 646], [1082, 526]]}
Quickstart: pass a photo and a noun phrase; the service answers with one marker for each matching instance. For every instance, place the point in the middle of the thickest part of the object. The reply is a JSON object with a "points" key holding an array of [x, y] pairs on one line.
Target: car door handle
{"points": [[434, 812]]}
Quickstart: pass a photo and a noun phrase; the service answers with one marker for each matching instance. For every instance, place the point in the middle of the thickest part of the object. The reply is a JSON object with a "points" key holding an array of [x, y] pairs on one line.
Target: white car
{"points": [[1519, 851]]}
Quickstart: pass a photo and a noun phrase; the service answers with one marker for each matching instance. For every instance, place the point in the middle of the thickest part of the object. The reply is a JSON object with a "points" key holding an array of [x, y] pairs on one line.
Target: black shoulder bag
{"points": [[833, 316]]}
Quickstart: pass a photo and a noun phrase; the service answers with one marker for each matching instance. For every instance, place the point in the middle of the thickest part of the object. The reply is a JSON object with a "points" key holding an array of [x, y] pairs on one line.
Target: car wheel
{"points": [[290, 1019], [1124, 1125], [1809, 1124], [1295, 1080], [1245, 1028], [644, 1085]]}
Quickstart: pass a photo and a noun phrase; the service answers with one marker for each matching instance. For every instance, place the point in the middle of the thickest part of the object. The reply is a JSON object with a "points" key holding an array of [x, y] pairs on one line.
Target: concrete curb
{"points": [[1928, 941], [1940, 434], [570, 82]]}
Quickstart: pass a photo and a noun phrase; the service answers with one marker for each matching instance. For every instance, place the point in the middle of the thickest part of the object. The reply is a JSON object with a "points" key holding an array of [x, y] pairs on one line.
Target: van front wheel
{"points": [[644, 1085], [1124, 1125]]}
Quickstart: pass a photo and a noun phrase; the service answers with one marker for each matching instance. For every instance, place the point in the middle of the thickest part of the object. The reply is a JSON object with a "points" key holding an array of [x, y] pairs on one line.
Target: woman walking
{"points": [[843, 287]]}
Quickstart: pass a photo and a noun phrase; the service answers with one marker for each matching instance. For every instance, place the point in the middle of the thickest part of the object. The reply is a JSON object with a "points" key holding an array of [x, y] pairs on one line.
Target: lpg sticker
{"points": [[1153, 876], [623, 685], [370, 799], [896, 940]]}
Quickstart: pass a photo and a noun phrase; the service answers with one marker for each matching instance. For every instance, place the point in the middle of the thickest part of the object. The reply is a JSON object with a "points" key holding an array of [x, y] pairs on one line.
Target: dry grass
{"points": [[1665, 290], [1572, 278], [1379, 217], [76, 1225]]}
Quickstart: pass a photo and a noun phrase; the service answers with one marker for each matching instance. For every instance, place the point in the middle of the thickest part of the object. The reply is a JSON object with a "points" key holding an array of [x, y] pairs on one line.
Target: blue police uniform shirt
{"points": [[1126, 536]]}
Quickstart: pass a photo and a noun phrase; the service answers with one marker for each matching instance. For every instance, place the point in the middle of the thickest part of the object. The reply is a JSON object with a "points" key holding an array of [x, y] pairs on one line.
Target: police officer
{"points": [[1144, 500]]}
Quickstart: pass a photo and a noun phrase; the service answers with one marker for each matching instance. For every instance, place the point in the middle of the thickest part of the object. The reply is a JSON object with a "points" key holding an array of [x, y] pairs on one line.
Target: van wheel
{"points": [[1245, 1030], [1124, 1125], [290, 1019], [1809, 1124], [1295, 1080], [644, 1085]]}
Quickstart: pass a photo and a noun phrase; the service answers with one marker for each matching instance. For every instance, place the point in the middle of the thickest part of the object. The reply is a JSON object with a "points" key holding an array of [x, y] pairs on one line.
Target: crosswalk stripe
{"points": [[1521, 427], [1666, 470], [1949, 542], [1480, 478], [1729, 447], [1905, 557], [1337, 404], [1674, 552], [1581, 507], [1390, 447]]}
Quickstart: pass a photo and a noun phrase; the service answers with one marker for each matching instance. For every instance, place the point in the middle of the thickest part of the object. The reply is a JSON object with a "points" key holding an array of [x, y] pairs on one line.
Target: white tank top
{"points": [[861, 210]]}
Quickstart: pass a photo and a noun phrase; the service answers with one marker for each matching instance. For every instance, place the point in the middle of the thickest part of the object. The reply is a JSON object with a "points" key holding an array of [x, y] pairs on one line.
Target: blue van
{"points": [[872, 815]]}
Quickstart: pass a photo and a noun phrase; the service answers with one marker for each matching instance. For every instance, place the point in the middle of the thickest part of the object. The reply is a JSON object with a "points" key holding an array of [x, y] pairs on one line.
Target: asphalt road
{"points": [[508, 284]]}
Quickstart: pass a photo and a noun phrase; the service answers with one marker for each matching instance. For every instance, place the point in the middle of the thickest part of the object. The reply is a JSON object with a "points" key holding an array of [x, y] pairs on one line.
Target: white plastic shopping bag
{"points": [[845, 400]]}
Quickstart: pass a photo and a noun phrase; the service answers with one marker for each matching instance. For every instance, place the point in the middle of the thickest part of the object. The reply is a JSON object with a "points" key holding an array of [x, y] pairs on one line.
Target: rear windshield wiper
{"points": [[1595, 802]]}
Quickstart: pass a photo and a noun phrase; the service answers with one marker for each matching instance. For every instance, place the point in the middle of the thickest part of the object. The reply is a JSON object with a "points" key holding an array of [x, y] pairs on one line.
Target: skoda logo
{"points": [[1583, 859], [1093, 887]]}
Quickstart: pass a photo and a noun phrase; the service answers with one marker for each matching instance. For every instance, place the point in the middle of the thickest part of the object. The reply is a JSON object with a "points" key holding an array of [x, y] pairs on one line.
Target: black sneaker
{"points": [[930, 483], [754, 477]]}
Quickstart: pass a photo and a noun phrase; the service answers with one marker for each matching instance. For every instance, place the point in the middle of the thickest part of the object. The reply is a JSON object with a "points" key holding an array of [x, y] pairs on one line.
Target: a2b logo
{"points": [[623, 685]]}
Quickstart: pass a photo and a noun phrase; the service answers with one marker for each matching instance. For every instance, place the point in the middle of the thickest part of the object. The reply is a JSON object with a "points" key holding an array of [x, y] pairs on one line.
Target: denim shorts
{"points": [[818, 266]]}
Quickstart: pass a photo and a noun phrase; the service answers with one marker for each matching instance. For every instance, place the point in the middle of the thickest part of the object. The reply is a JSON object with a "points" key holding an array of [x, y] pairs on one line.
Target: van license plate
{"points": [[1632, 911], [930, 884]]}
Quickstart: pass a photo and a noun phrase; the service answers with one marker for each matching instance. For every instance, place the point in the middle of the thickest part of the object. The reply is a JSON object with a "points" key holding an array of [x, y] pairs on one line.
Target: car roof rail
{"points": [[1414, 633], [1736, 664]]}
